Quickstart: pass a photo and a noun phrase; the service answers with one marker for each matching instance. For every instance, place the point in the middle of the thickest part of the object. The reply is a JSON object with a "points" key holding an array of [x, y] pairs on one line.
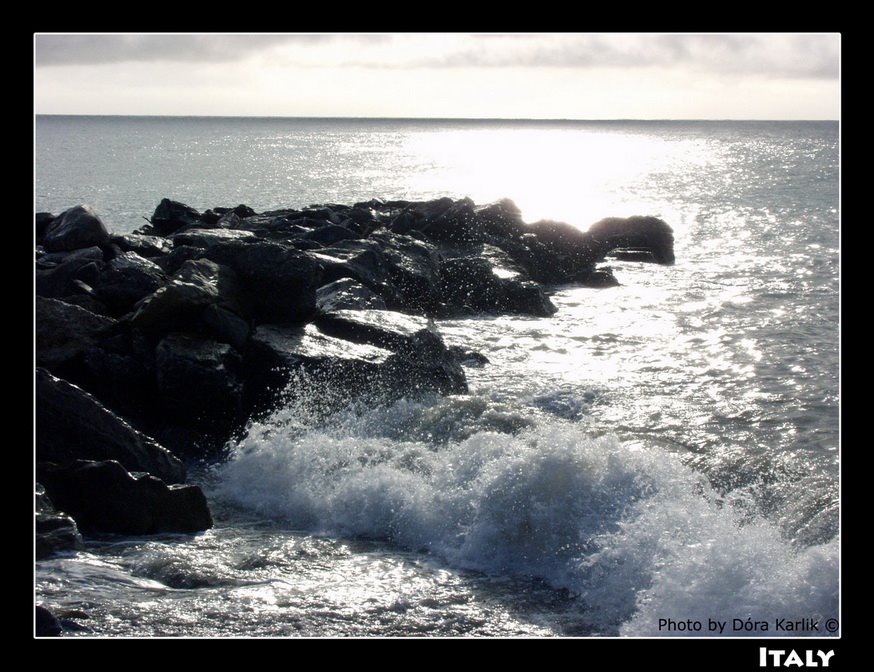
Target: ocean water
{"points": [[661, 452]]}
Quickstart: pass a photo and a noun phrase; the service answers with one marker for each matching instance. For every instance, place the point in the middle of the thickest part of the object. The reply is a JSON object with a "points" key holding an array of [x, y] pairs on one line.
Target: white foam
{"points": [[633, 532]]}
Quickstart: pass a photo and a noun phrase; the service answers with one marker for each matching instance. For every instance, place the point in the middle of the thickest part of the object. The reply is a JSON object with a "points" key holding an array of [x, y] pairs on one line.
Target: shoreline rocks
{"points": [[159, 346]]}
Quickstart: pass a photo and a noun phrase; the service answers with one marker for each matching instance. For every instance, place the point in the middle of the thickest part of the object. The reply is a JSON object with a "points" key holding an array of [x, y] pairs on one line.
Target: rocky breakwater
{"points": [[155, 348]]}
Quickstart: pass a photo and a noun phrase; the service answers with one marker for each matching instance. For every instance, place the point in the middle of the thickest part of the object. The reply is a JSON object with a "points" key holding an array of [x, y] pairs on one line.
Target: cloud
{"points": [[783, 55]]}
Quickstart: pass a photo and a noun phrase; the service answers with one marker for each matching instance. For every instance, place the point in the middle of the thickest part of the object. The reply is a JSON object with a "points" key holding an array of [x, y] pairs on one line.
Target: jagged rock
{"points": [[55, 531], [172, 262], [643, 233], [330, 234], [71, 425], [279, 281], [413, 267], [470, 285], [46, 624], [361, 260], [64, 331], [347, 293], [74, 229], [201, 296], [145, 246], [43, 221], [206, 237], [104, 497], [199, 382], [127, 279], [421, 362], [172, 215], [69, 274]]}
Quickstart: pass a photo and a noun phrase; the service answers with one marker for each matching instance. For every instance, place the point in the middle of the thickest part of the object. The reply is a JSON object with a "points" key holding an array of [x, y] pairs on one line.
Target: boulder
{"points": [[172, 262], [172, 215], [641, 233], [282, 361], [279, 281], [421, 361], [470, 285], [71, 425], [347, 294], [46, 623], [64, 331], [69, 274], [104, 497], [74, 229], [55, 530], [145, 246], [43, 221], [359, 260], [127, 279], [413, 267], [199, 382], [201, 296], [330, 234], [196, 237]]}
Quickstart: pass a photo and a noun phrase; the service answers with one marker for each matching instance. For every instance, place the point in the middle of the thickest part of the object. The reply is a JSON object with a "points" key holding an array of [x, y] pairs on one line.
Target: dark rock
{"points": [[469, 357], [74, 229], [279, 281], [243, 211], [105, 497], [361, 260], [421, 361], [293, 361], [145, 246], [64, 331], [330, 234], [602, 277], [69, 274], [202, 295], [413, 267], [43, 222], [55, 531], [117, 377], [126, 280], [645, 233], [347, 293], [172, 215], [89, 302], [304, 244], [470, 285], [71, 425], [502, 219], [172, 262], [46, 624], [230, 220], [207, 237], [631, 254], [199, 382]]}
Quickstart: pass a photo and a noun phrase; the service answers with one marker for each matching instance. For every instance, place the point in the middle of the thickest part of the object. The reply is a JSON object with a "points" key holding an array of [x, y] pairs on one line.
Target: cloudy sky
{"points": [[540, 76]]}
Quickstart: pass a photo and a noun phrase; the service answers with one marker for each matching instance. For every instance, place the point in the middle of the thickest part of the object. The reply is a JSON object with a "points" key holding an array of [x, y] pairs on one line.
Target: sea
{"points": [[654, 458]]}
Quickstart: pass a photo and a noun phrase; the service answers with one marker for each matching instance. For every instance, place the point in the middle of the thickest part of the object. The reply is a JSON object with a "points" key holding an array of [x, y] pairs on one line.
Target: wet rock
{"points": [[127, 279], [413, 267], [360, 260], [74, 229], [280, 282], [64, 331], [170, 216], [421, 360], [347, 294], [470, 285], [68, 274], [43, 221], [642, 233], [330, 234], [199, 382], [104, 497], [172, 262], [292, 360], [145, 246], [71, 424], [46, 624], [201, 296], [55, 530], [467, 357], [208, 237], [602, 277]]}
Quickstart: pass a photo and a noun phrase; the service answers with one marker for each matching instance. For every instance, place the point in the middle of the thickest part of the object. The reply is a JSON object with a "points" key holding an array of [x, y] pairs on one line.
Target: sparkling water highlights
{"points": [[666, 448]]}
